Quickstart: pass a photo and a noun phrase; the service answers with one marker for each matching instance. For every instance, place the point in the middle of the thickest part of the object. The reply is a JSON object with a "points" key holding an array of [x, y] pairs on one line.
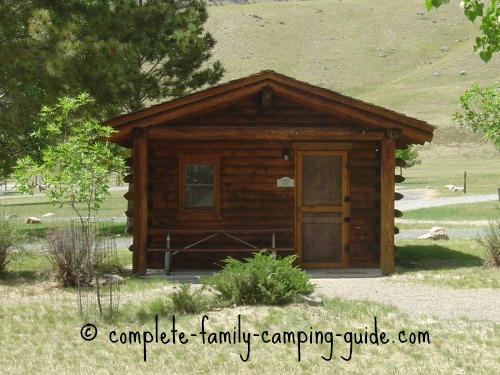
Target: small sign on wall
{"points": [[285, 182]]}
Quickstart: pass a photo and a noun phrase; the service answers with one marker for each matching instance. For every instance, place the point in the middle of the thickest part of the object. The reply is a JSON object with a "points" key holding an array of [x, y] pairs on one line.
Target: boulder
{"points": [[108, 279], [436, 233], [310, 299], [33, 220]]}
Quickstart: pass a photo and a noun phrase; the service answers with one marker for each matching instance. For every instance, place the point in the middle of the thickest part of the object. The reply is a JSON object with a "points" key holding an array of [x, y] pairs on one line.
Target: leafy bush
{"points": [[260, 279], [491, 243], [10, 237]]}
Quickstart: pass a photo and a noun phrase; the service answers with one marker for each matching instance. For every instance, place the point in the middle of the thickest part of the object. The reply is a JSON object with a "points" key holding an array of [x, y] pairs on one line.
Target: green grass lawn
{"points": [[456, 263], [480, 211], [37, 206]]}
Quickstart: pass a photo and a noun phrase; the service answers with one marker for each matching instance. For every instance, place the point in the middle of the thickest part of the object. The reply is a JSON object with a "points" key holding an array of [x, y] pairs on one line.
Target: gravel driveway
{"points": [[416, 300]]}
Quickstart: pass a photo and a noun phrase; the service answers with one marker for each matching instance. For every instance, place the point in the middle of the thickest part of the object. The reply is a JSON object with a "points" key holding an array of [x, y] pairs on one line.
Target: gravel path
{"points": [[415, 199], [416, 300]]}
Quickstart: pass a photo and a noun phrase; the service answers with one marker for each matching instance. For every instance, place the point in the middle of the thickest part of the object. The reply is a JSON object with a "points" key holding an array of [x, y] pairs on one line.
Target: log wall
{"points": [[249, 196]]}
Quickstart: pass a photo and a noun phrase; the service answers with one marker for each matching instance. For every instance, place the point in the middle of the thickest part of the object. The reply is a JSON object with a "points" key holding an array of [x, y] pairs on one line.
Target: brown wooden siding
{"points": [[364, 229], [249, 196]]}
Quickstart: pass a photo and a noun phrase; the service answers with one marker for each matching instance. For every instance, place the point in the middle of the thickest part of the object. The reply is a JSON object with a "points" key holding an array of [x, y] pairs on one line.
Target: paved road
{"points": [[414, 200]]}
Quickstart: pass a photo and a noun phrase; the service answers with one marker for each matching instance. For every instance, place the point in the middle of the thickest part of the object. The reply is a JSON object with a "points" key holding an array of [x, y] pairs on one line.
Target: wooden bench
{"points": [[214, 232]]}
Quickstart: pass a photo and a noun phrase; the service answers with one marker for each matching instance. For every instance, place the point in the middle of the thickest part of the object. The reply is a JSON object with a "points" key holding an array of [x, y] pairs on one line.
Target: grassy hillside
{"points": [[397, 55]]}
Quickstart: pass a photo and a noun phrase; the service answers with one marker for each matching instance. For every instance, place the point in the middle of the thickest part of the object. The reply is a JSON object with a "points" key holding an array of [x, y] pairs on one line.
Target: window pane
{"points": [[199, 186], [199, 175], [199, 197]]}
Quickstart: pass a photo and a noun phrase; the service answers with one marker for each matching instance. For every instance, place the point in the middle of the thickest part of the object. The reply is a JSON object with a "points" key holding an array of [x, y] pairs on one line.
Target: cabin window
{"points": [[199, 186], [199, 190]]}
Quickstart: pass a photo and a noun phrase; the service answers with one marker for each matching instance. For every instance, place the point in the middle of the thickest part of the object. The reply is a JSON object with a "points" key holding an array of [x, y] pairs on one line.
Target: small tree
{"points": [[74, 163], [481, 112], [409, 155]]}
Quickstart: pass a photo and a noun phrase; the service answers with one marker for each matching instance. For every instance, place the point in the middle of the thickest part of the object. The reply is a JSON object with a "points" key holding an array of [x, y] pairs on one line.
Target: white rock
{"points": [[33, 220], [436, 233], [310, 299]]}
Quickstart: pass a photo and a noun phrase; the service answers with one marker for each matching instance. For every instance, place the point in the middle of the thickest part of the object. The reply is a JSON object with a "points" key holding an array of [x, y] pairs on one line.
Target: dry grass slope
{"points": [[396, 55]]}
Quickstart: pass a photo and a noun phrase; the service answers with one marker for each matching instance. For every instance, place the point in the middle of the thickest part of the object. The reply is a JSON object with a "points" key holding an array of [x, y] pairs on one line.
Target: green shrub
{"points": [[491, 243], [260, 279], [186, 301], [10, 237]]}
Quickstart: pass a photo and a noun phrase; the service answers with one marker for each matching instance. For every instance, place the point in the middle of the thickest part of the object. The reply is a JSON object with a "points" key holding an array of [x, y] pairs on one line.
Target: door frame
{"points": [[334, 148]]}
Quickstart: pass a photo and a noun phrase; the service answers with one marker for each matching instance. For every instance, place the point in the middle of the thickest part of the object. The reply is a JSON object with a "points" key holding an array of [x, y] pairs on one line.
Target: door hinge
{"points": [[347, 248], [347, 199], [347, 219]]}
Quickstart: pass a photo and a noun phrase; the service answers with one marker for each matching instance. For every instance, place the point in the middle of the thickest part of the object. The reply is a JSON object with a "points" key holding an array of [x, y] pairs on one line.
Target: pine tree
{"points": [[124, 53]]}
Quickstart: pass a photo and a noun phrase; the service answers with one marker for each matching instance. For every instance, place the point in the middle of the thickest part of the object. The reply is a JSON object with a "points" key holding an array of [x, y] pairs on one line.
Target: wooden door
{"points": [[321, 218]]}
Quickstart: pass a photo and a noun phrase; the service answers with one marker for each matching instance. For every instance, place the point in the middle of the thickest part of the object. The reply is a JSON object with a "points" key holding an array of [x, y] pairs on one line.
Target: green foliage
{"points": [[188, 301], [409, 155], [491, 244], [184, 301], [10, 237], [481, 112], [123, 53], [260, 279], [74, 162], [489, 41]]}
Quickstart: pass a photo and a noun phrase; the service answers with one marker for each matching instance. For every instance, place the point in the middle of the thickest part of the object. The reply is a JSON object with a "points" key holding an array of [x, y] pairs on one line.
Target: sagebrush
{"points": [[261, 279], [490, 241], [77, 254]]}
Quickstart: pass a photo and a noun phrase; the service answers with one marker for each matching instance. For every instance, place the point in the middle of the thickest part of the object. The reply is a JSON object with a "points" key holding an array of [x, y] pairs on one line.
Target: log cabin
{"points": [[264, 162]]}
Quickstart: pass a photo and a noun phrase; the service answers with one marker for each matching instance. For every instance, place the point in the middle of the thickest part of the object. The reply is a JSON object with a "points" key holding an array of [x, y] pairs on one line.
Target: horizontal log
{"points": [[398, 213], [221, 230], [364, 188], [365, 162], [365, 153], [363, 256], [364, 263], [362, 212], [218, 250], [363, 238], [267, 118], [365, 179], [263, 169], [398, 196], [367, 204], [362, 195], [364, 171], [264, 134], [215, 146]]}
